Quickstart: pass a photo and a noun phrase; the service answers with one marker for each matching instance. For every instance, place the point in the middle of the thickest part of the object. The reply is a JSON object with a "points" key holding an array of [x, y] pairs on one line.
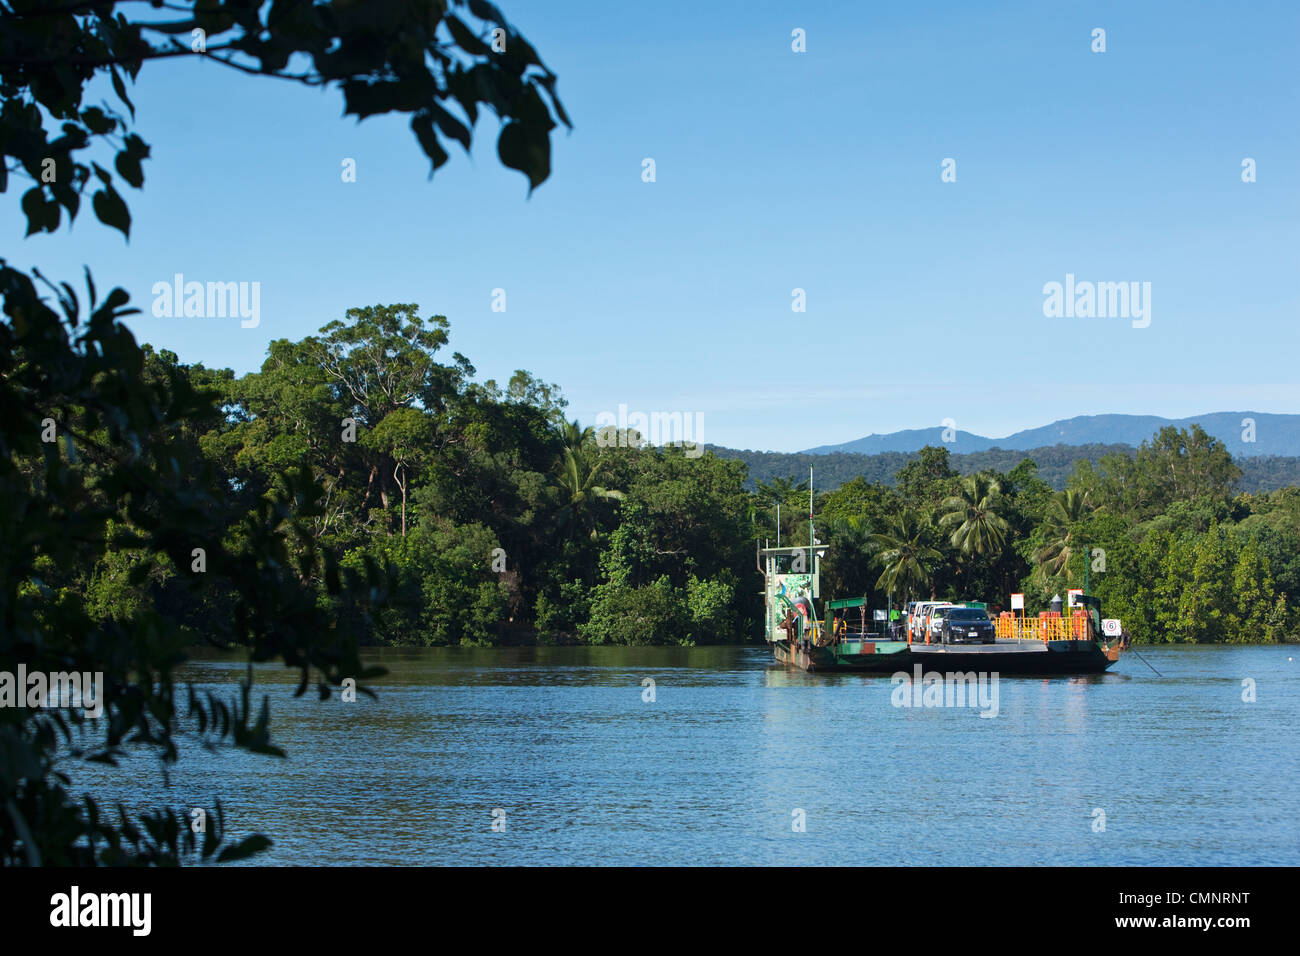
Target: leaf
{"points": [[96, 121], [548, 83], [120, 89], [112, 211], [364, 99], [116, 299], [250, 846], [451, 126], [129, 159], [42, 214], [422, 125], [520, 151], [128, 167], [486, 11], [465, 38]]}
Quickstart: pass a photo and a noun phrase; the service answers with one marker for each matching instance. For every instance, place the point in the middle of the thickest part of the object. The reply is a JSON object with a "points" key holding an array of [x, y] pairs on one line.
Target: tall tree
{"points": [[972, 514], [382, 359], [928, 478], [578, 471], [405, 436], [906, 555], [1064, 512]]}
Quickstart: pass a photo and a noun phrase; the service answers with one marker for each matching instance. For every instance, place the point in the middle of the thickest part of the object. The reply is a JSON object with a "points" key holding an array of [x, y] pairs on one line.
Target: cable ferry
{"points": [[935, 634]]}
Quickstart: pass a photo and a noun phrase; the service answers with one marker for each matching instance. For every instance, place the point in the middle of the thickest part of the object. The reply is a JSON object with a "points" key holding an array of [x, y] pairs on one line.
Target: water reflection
{"points": [[714, 767]]}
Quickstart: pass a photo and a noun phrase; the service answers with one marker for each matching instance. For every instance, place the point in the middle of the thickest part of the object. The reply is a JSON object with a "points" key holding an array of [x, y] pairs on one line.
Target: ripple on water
{"points": [[715, 768]]}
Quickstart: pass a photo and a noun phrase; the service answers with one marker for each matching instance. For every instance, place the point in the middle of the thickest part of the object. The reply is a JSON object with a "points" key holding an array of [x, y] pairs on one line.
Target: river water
{"points": [[740, 761]]}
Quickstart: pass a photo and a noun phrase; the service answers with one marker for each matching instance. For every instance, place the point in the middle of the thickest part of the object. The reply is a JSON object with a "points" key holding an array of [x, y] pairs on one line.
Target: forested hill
{"points": [[1055, 464]]}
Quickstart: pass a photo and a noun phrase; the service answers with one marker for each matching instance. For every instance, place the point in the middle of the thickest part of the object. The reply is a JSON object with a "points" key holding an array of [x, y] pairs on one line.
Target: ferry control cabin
{"points": [[792, 585]]}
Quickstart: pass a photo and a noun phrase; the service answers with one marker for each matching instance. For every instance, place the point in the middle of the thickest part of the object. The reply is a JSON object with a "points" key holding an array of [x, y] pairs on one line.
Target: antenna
{"points": [[810, 518]]}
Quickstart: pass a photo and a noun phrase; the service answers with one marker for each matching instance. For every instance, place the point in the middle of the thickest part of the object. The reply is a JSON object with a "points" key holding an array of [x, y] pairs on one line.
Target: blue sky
{"points": [[775, 171]]}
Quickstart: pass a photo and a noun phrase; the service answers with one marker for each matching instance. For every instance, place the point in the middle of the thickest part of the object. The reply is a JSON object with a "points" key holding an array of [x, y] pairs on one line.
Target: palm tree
{"points": [[905, 554], [978, 529], [578, 470], [1064, 511]]}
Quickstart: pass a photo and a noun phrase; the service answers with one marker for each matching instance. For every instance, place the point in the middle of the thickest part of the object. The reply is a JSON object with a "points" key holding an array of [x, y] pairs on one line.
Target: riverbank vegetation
{"points": [[482, 514]]}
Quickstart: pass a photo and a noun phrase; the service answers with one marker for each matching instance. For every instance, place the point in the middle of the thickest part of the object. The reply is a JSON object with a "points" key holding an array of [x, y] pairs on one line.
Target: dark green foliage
{"points": [[145, 506], [123, 491], [417, 57]]}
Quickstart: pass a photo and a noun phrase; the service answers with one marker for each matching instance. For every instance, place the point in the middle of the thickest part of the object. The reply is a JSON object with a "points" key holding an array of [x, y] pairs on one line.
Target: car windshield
{"points": [[967, 614]]}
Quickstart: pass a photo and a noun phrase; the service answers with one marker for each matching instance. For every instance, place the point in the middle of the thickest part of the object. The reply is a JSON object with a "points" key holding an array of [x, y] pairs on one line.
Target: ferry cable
{"points": [[1145, 661]]}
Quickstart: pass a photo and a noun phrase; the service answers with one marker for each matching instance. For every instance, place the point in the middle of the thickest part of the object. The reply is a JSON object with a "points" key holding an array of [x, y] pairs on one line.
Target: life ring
{"points": [[803, 607]]}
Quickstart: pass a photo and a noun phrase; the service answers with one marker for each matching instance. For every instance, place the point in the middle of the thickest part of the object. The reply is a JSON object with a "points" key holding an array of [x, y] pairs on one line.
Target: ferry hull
{"points": [[1004, 657]]}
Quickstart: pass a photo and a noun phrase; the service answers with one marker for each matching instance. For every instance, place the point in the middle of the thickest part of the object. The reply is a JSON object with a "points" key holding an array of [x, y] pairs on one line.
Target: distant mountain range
{"points": [[1055, 464], [1273, 435], [1271, 461]]}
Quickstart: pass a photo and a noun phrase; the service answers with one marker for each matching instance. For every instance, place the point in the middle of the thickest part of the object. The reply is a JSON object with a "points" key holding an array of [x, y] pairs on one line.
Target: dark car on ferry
{"points": [[967, 625]]}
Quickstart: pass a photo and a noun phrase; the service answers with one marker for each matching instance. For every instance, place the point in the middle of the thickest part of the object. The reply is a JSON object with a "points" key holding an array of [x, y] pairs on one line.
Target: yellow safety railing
{"points": [[1045, 628]]}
